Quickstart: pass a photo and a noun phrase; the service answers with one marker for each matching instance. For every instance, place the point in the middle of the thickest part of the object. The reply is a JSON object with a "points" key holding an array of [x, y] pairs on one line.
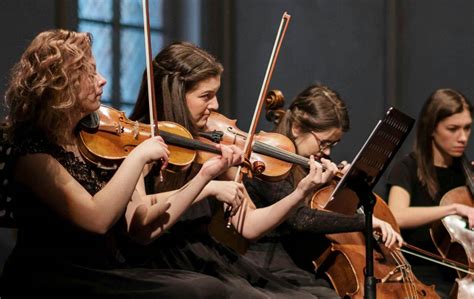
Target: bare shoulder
{"points": [[43, 175]]}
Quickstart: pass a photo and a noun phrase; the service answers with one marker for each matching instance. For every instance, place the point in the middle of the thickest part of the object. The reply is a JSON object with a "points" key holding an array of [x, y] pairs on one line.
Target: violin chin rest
{"points": [[90, 123]]}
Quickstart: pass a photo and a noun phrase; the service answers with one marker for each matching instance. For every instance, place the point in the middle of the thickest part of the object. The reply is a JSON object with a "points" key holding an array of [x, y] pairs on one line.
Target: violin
{"points": [[344, 261], [452, 236], [115, 136], [272, 155]]}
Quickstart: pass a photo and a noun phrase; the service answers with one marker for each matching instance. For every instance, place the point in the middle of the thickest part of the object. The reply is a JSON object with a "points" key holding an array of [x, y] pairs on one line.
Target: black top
{"points": [[404, 175], [43, 235]]}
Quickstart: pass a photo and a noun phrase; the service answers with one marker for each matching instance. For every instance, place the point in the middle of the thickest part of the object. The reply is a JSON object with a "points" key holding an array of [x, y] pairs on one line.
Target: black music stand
{"points": [[364, 172]]}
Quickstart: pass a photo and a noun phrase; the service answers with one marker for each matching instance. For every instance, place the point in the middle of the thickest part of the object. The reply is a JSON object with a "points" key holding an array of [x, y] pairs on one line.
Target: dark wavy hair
{"points": [[178, 69]]}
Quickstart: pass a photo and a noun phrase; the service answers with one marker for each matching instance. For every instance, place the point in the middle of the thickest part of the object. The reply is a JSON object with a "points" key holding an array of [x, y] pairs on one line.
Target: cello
{"points": [[453, 238], [344, 260]]}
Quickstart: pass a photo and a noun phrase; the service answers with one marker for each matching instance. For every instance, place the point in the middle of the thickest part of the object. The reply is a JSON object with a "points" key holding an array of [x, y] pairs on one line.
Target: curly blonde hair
{"points": [[45, 84]]}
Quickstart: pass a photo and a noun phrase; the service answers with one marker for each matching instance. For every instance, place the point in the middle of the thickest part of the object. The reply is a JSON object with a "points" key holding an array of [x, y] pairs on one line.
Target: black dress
{"points": [[53, 257], [289, 250], [189, 246], [404, 174]]}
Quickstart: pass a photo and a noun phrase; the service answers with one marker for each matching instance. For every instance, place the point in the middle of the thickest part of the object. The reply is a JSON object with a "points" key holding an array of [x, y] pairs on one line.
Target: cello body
{"points": [[455, 241], [344, 261]]}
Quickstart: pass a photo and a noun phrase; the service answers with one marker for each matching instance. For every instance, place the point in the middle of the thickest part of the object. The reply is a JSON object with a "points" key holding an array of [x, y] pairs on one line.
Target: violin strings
{"points": [[284, 154], [288, 155]]}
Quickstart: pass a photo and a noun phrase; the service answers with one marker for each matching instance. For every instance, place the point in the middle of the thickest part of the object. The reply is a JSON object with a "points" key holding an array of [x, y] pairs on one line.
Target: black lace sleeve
{"points": [[89, 176], [304, 219], [92, 178]]}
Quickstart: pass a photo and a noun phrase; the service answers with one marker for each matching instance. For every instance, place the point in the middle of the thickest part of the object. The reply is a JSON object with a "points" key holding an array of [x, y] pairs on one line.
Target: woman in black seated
{"points": [[68, 212], [316, 121], [418, 182], [187, 79]]}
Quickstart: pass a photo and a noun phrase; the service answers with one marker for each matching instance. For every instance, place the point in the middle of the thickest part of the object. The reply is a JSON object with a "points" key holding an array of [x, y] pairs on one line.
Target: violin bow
{"points": [[150, 76], [149, 71], [258, 109]]}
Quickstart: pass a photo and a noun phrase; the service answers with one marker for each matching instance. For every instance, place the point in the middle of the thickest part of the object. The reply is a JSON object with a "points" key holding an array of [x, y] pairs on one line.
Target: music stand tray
{"points": [[377, 152]]}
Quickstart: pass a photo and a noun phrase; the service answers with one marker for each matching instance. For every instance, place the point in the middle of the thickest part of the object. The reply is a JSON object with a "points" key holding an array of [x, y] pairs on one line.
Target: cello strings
{"points": [[403, 266], [405, 271], [411, 275]]}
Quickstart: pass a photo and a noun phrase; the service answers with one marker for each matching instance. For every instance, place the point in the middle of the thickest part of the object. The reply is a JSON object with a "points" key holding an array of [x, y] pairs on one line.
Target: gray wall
{"points": [[338, 43], [436, 49], [376, 54], [20, 20]]}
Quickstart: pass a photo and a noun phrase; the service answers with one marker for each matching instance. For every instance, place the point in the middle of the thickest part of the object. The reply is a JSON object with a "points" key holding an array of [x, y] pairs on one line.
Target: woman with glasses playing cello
{"points": [[316, 121]]}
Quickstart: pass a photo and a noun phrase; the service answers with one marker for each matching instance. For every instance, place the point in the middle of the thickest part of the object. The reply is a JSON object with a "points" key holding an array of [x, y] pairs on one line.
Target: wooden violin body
{"points": [[116, 136], [344, 261], [267, 159]]}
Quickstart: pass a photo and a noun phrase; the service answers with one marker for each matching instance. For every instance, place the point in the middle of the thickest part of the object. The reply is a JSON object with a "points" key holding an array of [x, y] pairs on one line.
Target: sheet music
{"points": [[378, 150]]}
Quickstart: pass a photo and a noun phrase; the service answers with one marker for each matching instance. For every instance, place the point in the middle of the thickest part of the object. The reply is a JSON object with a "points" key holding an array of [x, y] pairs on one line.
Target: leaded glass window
{"points": [[119, 49]]}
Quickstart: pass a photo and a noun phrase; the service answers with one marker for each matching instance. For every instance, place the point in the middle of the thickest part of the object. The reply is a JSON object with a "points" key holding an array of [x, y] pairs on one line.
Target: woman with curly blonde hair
{"points": [[69, 212]]}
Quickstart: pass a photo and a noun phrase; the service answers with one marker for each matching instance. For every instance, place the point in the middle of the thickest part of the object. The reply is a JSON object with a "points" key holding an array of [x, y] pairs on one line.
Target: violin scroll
{"points": [[274, 102]]}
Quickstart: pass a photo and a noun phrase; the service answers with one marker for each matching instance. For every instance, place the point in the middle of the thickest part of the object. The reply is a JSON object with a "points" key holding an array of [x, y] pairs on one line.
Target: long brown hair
{"points": [[441, 104], [178, 69], [317, 108], [44, 84]]}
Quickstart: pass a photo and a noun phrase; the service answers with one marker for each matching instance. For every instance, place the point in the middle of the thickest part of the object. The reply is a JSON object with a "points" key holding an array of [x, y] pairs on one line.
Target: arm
{"points": [[148, 218], [411, 217], [225, 191], [144, 217], [253, 223], [53, 184]]}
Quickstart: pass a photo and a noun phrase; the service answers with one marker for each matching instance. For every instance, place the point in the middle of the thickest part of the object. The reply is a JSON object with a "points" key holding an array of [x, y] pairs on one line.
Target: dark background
{"points": [[374, 53]]}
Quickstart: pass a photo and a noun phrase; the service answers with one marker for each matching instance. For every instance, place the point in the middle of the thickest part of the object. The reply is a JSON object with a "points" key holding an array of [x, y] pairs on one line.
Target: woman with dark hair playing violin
{"points": [[69, 212], [418, 182], [315, 121], [187, 79]]}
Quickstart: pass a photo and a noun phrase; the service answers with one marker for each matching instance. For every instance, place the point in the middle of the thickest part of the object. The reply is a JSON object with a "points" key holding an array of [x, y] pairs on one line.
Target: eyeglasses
{"points": [[324, 144]]}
